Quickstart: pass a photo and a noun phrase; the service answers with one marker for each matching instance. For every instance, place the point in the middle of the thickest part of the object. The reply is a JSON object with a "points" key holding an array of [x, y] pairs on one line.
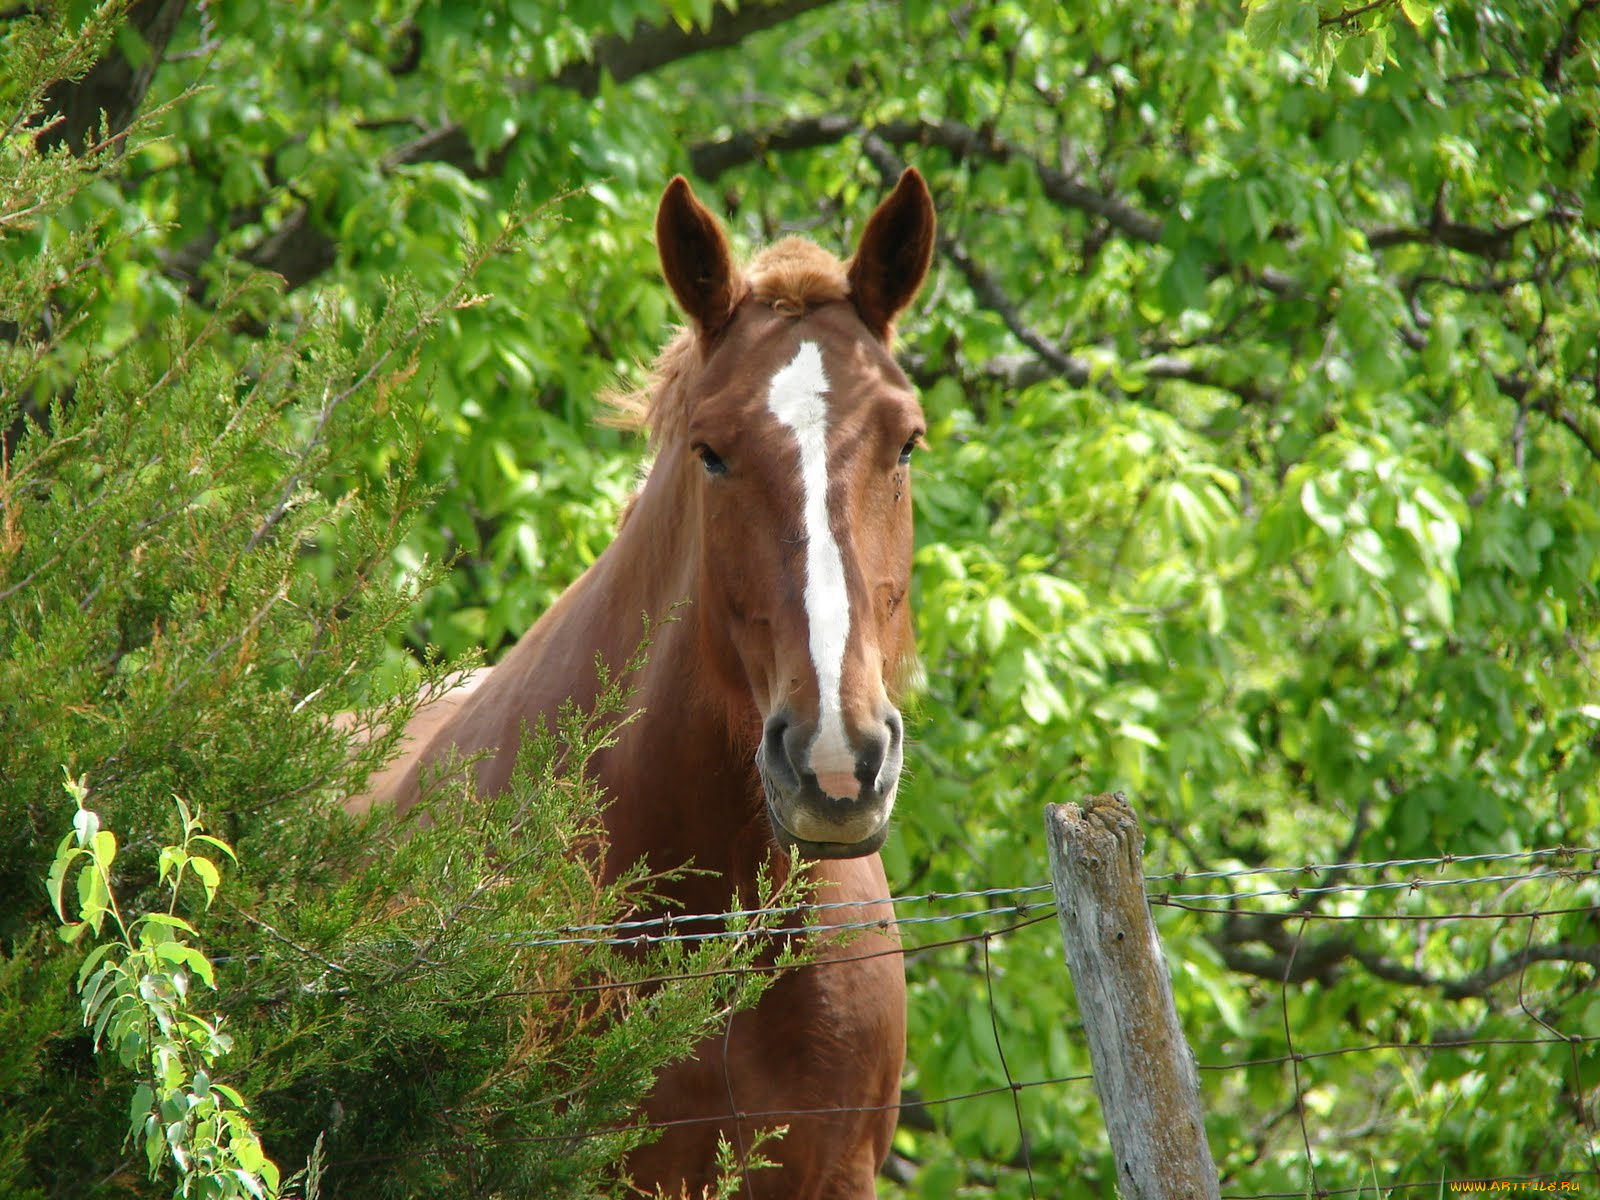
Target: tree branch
{"points": [[711, 159], [1478, 983], [1348, 15], [114, 88], [961, 142], [1491, 243], [299, 251], [1051, 360], [1324, 961], [1564, 45], [1553, 409], [648, 48], [1060, 186]]}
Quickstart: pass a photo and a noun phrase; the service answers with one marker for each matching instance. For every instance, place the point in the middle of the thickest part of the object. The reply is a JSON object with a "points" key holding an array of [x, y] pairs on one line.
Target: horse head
{"points": [[784, 420]]}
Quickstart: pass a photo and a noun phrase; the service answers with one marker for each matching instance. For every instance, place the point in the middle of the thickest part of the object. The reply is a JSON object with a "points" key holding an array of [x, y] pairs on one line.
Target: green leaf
{"points": [[188, 956], [996, 622], [86, 824], [1323, 517], [101, 986], [1183, 283], [168, 921], [140, 1108], [169, 860], [221, 845], [93, 960], [105, 850], [208, 874], [248, 1150], [107, 1013], [1418, 12], [155, 1147], [93, 898], [56, 880]]}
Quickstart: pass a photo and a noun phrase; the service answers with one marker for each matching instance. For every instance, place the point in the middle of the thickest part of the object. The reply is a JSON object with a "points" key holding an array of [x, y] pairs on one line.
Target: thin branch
{"points": [[287, 941], [1288, 958], [1490, 243], [711, 159], [1564, 45], [1349, 15], [1550, 407], [989, 293], [1478, 983]]}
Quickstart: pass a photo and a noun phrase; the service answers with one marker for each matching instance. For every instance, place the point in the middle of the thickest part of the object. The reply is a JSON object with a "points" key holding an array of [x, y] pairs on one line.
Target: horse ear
{"points": [[695, 257], [893, 257]]}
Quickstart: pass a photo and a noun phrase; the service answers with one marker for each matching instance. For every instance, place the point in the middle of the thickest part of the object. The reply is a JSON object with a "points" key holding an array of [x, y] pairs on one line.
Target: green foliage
{"points": [[135, 993], [202, 502], [1260, 366]]}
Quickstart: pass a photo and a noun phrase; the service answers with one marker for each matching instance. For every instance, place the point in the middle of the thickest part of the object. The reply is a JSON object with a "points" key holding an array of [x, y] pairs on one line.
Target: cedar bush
{"points": [[197, 531]]}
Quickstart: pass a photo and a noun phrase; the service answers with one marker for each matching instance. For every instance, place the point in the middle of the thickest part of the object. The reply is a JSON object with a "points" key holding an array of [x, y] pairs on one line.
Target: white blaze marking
{"points": [[798, 398]]}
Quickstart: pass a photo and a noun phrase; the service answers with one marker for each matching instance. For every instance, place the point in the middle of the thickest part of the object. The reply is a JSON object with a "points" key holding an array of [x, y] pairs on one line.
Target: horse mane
{"points": [[791, 276]]}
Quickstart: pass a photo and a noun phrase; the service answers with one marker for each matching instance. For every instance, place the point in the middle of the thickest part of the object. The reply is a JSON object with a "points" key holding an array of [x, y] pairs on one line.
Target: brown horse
{"points": [[779, 506]]}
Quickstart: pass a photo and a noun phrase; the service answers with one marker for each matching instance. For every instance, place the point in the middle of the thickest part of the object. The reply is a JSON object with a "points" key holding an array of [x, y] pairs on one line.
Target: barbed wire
{"points": [[896, 950], [1443, 860], [671, 927], [666, 922], [752, 913], [882, 924], [1384, 885]]}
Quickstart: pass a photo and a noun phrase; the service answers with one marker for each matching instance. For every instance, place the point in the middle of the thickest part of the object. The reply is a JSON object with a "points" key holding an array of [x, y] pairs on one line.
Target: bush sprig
{"points": [[136, 991]]}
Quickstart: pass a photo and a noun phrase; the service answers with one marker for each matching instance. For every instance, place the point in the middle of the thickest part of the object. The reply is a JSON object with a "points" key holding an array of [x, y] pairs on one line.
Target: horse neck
{"points": [[681, 780]]}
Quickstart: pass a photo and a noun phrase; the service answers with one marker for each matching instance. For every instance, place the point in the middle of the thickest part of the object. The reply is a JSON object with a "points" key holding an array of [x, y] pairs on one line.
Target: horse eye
{"points": [[905, 451], [711, 460]]}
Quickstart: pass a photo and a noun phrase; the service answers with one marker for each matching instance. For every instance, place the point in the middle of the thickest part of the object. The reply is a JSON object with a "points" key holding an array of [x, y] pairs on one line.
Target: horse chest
{"points": [[821, 1054], [846, 1008]]}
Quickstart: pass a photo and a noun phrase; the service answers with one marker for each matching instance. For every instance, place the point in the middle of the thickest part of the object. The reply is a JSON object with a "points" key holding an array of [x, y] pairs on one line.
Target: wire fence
{"points": [[745, 923], [1292, 900]]}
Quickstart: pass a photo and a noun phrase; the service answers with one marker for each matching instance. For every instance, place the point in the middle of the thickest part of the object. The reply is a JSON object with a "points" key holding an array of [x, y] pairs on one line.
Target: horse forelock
{"points": [[791, 277], [795, 275]]}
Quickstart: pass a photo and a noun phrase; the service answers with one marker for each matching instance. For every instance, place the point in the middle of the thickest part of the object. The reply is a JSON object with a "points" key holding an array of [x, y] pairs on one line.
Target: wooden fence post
{"points": [[1144, 1070]]}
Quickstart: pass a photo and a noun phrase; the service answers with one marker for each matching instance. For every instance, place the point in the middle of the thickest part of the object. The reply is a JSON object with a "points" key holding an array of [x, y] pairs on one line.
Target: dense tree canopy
{"points": [[1262, 366]]}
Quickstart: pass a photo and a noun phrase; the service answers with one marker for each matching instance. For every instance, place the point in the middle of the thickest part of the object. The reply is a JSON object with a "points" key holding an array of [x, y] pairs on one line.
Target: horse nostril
{"points": [[775, 757], [869, 760], [888, 766], [896, 727], [878, 755]]}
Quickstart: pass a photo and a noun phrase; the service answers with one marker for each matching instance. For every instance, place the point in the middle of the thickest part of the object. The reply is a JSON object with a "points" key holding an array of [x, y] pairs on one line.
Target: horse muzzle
{"points": [[834, 813], [803, 848]]}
